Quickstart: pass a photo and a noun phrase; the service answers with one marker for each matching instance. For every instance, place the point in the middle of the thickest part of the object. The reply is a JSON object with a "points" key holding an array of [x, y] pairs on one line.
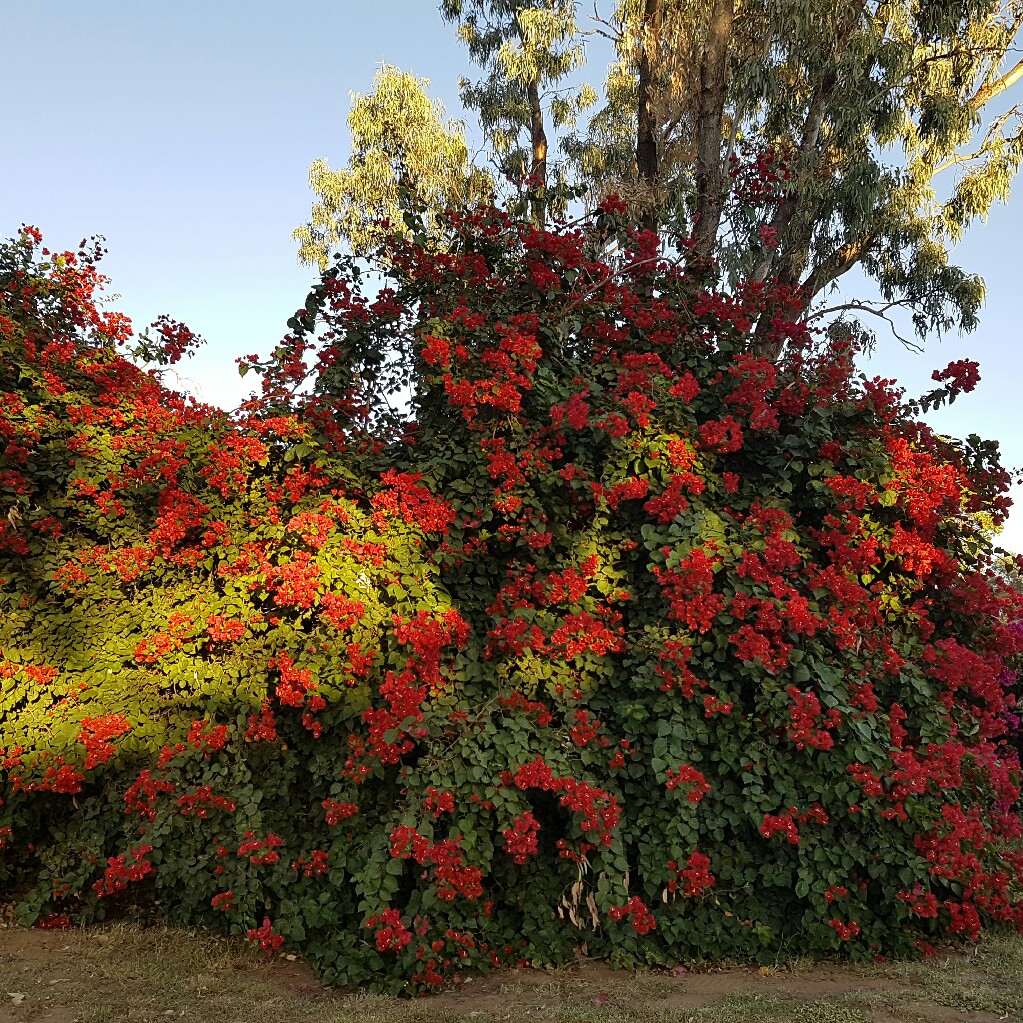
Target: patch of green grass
{"points": [[767, 1009], [985, 978]]}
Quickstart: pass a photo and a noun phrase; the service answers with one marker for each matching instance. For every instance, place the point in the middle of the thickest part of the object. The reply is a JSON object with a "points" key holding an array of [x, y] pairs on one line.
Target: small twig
{"points": [[865, 308]]}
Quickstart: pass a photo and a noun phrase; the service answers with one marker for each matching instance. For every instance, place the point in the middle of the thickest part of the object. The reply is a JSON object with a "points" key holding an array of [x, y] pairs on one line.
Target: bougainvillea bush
{"points": [[622, 639]]}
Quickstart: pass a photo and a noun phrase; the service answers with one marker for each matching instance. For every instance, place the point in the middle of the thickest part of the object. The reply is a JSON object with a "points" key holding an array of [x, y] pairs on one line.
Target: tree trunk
{"points": [[782, 262], [646, 122], [538, 143], [710, 173]]}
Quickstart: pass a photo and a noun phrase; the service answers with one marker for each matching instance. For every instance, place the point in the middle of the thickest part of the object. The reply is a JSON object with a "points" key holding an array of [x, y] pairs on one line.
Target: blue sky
{"points": [[184, 132]]}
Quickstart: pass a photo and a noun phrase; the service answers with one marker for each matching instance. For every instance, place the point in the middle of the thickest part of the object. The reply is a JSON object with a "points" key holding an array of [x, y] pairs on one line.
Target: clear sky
{"points": [[184, 132]]}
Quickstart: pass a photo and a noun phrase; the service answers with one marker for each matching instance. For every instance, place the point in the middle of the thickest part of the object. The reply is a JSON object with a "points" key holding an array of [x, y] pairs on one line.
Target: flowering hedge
{"points": [[627, 640]]}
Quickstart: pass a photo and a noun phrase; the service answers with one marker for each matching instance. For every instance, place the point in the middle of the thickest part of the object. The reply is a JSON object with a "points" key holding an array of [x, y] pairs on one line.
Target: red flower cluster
{"points": [[337, 812], [201, 800], [96, 734], [520, 840], [685, 775], [120, 872], [783, 823], [265, 938], [643, 921], [391, 933], [313, 865], [224, 901], [253, 848], [599, 809], [206, 738], [809, 727], [453, 877], [964, 375], [845, 931]]}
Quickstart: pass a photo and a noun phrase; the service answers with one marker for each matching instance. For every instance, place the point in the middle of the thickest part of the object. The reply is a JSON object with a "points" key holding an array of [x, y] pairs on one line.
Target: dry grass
{"points": [[127, 973]]}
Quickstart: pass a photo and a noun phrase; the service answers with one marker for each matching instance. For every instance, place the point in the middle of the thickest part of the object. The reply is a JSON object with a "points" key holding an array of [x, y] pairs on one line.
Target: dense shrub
{"points": [[627, 639]]}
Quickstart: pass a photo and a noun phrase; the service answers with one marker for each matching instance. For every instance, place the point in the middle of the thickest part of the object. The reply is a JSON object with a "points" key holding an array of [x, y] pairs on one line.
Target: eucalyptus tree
{"points": [[405, 158], [879, 130], [789, 140], [528, 53]]}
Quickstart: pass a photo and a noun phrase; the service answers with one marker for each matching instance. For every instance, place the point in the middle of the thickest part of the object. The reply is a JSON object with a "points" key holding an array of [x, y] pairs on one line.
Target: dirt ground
{"points": [[122, 972]]}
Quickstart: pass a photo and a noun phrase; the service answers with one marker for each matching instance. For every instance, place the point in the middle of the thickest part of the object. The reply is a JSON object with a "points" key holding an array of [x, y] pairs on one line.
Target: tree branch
{"points": [[786, 210], [998, 86], [958, 159], [841, 261], [863, 307]]}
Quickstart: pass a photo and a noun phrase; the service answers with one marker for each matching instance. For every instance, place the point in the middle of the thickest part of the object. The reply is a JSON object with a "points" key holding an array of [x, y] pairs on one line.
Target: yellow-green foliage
{"points": [[405, 158]]}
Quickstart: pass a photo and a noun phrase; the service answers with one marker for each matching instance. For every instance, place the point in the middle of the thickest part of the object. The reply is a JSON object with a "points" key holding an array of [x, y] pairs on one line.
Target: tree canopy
{"points": [[857, 107], [405, 156], [881, 130]]}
